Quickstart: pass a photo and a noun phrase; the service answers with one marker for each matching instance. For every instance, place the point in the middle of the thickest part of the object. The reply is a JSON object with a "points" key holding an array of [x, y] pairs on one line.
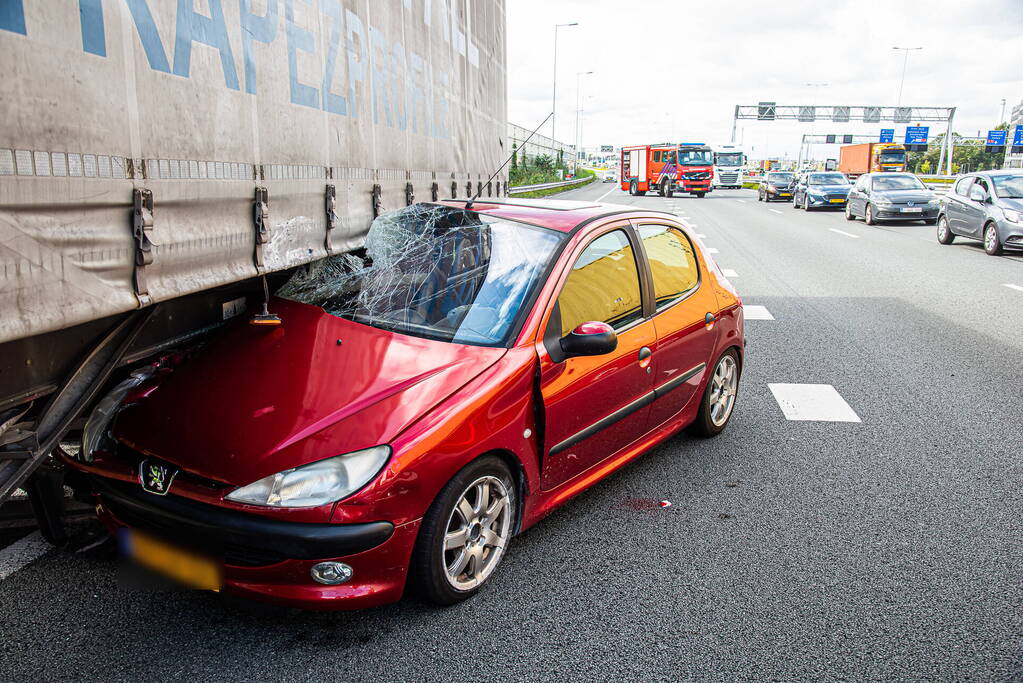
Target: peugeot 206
{"points": [[419, 404]]}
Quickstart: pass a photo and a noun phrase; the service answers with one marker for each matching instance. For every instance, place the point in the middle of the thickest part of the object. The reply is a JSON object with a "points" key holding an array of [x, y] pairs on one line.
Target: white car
{"points": [[610, 175]]}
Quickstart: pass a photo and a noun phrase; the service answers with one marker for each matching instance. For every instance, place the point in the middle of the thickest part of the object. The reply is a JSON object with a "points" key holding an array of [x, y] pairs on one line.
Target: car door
{"points": [[975, 208], [856, 196], [594, 406], [955, 202], [685, 340]]}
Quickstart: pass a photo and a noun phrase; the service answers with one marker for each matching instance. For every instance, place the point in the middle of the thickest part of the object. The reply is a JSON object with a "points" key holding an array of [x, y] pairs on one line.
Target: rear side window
{"points": [[603, 285], [672, 263], [963, 186]]}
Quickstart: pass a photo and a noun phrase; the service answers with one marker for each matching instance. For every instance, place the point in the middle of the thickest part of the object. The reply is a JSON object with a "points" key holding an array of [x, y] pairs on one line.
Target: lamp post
{"points": [[905, 61], [554, 97], [578, 105]]}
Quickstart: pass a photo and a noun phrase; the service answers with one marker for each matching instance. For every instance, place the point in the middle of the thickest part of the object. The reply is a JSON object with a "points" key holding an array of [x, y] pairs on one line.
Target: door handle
{"points": [[709, 318], [645, 353]]}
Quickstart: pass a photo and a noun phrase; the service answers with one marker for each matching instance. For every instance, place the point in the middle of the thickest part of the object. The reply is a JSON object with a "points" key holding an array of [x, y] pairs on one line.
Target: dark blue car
{"points": [[819, 190]]}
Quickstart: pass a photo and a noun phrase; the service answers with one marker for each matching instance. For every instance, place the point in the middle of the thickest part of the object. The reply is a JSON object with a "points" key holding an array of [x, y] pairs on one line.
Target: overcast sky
{"points": [[741, 52]]}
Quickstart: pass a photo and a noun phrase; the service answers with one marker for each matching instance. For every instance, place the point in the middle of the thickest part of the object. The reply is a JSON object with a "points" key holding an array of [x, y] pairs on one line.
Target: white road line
{"points": [[22, 552], [712, 250], [701, 235], [1016, 287], [728, 272], [843, 232], [613, 189], [741, 201], [756, 313], [775, 211], [817, 402]]}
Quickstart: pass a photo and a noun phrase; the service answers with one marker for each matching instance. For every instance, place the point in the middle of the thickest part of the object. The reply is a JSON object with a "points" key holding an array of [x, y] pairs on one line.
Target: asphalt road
{"points": [[885, 549]]}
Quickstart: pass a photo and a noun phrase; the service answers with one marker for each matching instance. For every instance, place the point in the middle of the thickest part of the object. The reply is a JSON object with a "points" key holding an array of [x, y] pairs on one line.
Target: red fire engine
{"points": [[667, 168]]}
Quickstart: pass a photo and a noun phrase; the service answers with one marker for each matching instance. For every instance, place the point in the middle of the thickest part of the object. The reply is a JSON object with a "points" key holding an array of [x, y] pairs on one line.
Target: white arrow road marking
{"points": [[21, 553], [817, 402]]}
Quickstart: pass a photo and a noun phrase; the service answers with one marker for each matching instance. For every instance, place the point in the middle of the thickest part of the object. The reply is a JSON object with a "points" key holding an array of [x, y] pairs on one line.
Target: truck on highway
{"points": [[729, 166], [667, 168], [871, 157], [164, 164]]}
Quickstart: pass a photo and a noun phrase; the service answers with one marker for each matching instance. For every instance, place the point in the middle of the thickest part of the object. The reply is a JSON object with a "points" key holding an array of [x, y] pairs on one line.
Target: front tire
{"points": [[699, 195], [718, 397], [992, 245], [667, 190], [868, 216], [465, 533], [944, 233], [806, 202], [760, 196], [848, 212]]}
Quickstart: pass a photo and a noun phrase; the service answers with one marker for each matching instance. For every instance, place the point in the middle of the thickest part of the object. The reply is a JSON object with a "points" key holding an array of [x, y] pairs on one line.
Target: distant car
{"points": [[610, 175], [821, 190], [776, 185], [891, 197], [985, 206]]}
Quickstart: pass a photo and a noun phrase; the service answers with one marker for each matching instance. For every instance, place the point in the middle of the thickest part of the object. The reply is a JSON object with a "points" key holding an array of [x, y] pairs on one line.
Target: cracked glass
{"points": [[433, 271]]}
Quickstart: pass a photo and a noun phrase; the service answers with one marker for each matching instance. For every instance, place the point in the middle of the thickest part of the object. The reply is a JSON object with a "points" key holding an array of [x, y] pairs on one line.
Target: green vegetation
{"points": [[968, 156], [536, 171], [585, 176]]}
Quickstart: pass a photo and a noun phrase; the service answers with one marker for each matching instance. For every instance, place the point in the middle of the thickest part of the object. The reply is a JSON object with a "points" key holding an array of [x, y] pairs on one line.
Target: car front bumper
{"points": [[896, 214], [269, 559], [1010, 234], [823, 202]]}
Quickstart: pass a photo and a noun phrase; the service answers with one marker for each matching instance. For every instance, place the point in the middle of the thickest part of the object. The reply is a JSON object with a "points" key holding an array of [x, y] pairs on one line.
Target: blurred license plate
{"points": [[784, 194], [913, 210], [180, 565], [837, 201]]}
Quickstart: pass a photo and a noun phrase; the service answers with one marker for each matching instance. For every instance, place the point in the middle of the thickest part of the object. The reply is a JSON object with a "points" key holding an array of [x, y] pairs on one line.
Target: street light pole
{"points": [[578, 80], [554, 97], [905, 61]]}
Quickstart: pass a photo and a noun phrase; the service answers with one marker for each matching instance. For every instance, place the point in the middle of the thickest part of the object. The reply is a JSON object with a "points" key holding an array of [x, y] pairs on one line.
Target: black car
{"points": [[821, 190], [891, 197], [776, 185]]}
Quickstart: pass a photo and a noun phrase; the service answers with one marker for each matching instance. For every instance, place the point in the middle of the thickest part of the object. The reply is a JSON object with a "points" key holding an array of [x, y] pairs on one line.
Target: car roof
{"points": [[557, 214]]}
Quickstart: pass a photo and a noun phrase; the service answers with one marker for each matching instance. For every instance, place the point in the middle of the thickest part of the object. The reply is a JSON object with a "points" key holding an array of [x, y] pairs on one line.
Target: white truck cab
{"points": [[729, 166]]}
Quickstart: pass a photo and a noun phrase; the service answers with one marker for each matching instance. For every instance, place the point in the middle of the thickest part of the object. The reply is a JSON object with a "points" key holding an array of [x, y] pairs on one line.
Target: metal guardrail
{"points": [[522, 189]]}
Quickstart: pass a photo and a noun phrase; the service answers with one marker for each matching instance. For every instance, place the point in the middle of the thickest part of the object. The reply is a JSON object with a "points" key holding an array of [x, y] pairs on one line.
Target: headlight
{"points": [[772, 188], [103, 414], [883, 202], [1012, 216], [317, 483], [934, 202]]}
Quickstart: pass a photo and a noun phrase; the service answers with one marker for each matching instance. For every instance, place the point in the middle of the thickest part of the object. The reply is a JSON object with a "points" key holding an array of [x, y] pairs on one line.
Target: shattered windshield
{"points": [[432, 271]]}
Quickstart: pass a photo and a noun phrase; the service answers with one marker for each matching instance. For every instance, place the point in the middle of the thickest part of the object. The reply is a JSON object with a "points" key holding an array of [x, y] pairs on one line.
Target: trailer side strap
{"points": [[142, 226], [261, 217], [330, 201]]}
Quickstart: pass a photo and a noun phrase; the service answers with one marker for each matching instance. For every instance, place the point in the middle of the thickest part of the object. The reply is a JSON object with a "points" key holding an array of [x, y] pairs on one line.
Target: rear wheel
{"points": [[465, 533], [945, 235], [992, 245], [719, 396], [868, 217]]}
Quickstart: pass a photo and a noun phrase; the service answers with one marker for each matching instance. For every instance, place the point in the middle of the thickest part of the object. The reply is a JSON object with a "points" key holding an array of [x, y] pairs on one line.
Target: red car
{"points": [[418, 406]]}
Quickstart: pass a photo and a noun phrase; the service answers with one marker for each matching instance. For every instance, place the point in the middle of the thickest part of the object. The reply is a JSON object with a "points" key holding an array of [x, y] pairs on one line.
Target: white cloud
{"points": [[675, 69]]}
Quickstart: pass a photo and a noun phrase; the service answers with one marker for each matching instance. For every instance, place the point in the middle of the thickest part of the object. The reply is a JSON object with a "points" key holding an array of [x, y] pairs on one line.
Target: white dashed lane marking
{"points": [[816, 402], [728, 272], [22, 552], [712, 250], [741, 201], [775, 211], [847, 234], [701, 235], [756, 313], [1016, 287], [614, 189]]}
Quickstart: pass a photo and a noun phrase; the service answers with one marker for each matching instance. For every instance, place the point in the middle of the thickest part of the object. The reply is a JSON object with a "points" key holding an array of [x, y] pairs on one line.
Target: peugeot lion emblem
{"points": [[156, 478]]}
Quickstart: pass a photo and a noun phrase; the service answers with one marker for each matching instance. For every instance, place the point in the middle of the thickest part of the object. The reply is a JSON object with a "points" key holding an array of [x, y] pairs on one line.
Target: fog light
{"points": [[331, 573]]}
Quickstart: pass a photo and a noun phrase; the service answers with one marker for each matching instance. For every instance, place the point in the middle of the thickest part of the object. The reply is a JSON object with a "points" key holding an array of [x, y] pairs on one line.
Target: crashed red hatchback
{"points": [[419, 405]]}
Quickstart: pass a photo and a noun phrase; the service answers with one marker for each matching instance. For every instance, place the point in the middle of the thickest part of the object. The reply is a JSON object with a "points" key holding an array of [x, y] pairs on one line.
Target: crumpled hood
{"points": [[259, 400]]}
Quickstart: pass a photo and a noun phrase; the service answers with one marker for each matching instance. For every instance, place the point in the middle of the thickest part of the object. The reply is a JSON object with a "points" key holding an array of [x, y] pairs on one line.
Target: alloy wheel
{"points": [[724, 385], [477, 533]]}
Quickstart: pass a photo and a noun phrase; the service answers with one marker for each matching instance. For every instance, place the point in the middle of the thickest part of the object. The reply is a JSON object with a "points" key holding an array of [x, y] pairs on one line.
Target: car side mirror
{"points": [[977, 194], [590, 339]]}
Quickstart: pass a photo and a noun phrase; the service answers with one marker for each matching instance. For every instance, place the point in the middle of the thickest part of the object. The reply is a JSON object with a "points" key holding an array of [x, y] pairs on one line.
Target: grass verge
{"points": [[586, 177]]}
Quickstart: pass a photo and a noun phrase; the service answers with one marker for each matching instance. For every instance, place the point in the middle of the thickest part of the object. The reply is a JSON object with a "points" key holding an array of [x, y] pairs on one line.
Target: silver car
{"points": [[985, 206]]}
